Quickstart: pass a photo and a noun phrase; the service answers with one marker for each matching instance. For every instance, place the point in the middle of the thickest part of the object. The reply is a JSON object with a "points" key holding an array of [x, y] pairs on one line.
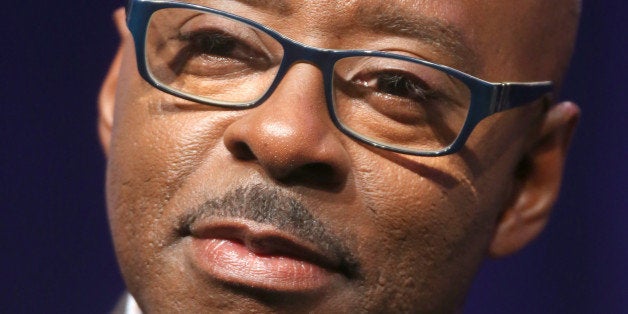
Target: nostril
{"points": [[242, 151], [318, 168], [320, 175]]}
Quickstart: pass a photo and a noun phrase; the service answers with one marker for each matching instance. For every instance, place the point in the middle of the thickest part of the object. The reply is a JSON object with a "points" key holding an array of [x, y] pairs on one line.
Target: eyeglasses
{"points": [[391, 101]]}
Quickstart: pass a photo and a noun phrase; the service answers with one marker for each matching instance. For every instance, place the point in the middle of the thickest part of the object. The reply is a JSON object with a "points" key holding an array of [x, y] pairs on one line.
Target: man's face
{"points": [[273, 208]]}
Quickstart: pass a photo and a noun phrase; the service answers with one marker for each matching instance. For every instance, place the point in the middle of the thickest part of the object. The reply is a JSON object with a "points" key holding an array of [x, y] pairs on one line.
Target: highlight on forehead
{"points": [[282, 7]]}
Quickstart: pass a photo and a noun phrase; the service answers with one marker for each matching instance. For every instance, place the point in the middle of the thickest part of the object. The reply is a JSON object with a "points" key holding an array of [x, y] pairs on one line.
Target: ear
{"points": [[539, 181], [107, 95]]}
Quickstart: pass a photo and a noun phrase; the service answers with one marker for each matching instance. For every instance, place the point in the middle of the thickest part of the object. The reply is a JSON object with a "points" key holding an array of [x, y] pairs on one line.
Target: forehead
{"points": [[470, 33]]}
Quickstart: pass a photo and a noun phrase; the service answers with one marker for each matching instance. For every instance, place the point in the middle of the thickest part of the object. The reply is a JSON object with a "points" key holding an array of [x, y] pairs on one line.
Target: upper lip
{"points": [[267, 240]]}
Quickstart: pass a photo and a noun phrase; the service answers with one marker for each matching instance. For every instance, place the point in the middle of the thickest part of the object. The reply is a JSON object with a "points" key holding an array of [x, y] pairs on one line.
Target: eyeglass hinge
{"points": [[501, 98]]}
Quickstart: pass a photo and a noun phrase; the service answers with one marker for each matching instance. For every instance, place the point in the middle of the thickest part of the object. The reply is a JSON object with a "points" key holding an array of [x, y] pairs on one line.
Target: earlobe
{"points": [[107, 95], [539, 182]]}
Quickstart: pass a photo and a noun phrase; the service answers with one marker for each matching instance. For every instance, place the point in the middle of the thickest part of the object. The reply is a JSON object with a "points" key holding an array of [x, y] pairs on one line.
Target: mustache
{"points": [[274, 207]]}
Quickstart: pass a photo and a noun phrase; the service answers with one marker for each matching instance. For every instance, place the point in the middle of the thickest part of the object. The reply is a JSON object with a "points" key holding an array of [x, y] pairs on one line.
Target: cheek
{"points": [[154, 148], [427, 236], [158, 140]]}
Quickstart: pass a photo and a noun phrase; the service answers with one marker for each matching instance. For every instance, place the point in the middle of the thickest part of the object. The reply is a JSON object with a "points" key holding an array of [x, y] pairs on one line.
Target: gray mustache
{"points": [[273, 207]]}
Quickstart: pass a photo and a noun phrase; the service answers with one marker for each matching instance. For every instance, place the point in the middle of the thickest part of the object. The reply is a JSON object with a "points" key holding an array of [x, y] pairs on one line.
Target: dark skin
{"points": [[417, 226]]}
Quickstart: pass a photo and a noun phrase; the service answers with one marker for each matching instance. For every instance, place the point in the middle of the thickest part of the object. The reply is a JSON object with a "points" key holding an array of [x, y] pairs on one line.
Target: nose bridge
{"points": [[298, 100], [296, 108], [295, 52], [300, 91], [291, 130]]}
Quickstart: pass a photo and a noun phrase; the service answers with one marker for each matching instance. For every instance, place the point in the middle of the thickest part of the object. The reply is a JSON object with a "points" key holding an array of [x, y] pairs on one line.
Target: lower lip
{"points": [[231, 262]]}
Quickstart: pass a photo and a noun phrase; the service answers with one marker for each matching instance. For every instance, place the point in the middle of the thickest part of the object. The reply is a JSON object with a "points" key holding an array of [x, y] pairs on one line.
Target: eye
{"points": [[210, 44], [396, 84]]}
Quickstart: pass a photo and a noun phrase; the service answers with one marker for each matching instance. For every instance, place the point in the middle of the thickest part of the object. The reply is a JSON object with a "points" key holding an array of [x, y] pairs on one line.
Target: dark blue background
{"points": [[56, 254]]}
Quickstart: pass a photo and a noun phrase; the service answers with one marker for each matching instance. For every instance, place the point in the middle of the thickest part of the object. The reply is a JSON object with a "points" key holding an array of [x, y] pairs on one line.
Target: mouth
{"points": [[241, 252]]}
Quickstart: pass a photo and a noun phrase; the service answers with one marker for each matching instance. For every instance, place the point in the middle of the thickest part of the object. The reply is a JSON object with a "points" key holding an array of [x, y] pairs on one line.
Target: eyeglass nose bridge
{"points": [[294, 53]]}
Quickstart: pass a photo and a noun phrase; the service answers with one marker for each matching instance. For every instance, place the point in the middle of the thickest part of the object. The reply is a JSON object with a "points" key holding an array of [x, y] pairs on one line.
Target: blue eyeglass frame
{"points": [[486, 98]]}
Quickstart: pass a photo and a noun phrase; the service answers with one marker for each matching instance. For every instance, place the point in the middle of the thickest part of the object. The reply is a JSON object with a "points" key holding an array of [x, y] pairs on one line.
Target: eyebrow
{"points": [[393, 19], [282, 7]]}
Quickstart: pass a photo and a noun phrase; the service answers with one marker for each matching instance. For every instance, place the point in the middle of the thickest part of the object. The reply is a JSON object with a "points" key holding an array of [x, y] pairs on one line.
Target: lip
{"points": [[245, 253]]}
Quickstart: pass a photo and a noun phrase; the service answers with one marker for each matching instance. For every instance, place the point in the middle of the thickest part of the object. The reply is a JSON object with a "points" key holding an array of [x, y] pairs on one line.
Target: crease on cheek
{"points": [[430, 225], [467, 182], [399, 197], [181, 139], [194, 146], [367, 182]]}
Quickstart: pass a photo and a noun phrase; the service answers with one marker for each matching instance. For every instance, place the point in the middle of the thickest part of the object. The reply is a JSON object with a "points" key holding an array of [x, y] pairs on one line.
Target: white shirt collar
{"points": [[131, 306]]}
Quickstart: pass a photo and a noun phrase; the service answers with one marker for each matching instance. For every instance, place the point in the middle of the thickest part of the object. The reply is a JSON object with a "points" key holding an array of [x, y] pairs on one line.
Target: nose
{"points": [[291, 135]]}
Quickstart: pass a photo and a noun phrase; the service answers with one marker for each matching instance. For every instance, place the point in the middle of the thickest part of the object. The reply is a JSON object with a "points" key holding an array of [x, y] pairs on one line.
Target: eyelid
{"points": [[385, 66], [204, 22]]}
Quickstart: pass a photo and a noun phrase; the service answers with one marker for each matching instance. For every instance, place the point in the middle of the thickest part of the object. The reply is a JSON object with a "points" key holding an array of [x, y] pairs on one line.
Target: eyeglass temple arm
{"points": [[512, 95]]}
